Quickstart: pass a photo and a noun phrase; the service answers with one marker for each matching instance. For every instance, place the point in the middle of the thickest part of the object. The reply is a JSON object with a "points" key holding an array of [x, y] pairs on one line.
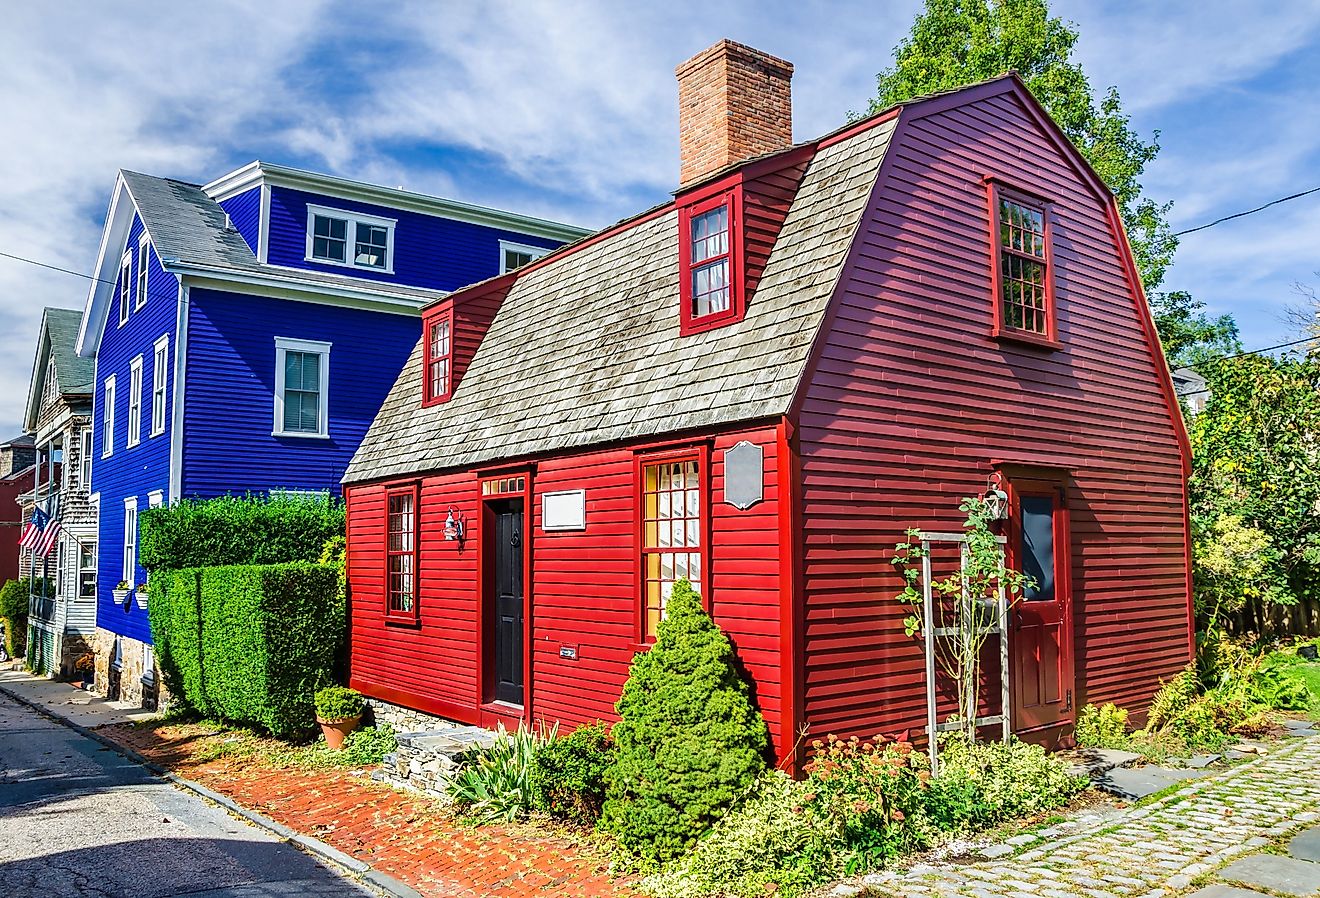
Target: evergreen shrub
{"points": [[234, 530], [568, 774], [339, 703], [249, 644], [14, 610], [689, 741]]}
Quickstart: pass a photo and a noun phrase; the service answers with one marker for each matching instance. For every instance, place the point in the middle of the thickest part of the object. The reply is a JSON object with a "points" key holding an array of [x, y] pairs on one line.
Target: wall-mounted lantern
{"points": [[996, 500], [454, 529]]}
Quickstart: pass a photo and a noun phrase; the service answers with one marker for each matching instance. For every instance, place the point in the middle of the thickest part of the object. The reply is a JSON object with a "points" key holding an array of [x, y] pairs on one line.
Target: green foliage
{"points": [[1005, 780], [235, 530], [1190, 336], [958, 42], [364, 747], [568, 774], [339, 703], [1255, 485], [495, 784], [1103, 727], [689, 741], [14, 611], [249, 644]]}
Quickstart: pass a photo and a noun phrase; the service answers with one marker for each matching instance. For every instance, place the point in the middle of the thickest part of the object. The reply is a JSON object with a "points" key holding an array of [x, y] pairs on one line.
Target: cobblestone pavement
{"points": [[1157, 849]]}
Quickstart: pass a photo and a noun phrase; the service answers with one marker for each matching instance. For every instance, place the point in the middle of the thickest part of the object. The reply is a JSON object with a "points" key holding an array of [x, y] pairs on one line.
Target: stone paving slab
{"points": [[1219, 890], [1306, 845], [1275, 873], [1134, 783]]}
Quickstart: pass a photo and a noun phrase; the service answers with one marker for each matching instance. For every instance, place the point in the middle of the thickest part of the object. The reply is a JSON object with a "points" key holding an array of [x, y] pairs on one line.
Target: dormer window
{"points": [[439, 357], [350, 239], [1023, 279], [516, 255], [710, 262]]}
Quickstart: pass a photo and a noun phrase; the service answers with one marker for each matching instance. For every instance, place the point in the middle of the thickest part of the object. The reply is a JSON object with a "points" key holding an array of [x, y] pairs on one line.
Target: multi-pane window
{"points": [[85, 459], [108, 417], [372, 244], [130, 541], [302, 379], [329, 239], [350, 239], [401, 553], [87, 570], [1023, 267], [516, 255], [671, 534], [125, 286], [439, 358], [135, 401], [144, 266], [709, 233], [160, 360]]}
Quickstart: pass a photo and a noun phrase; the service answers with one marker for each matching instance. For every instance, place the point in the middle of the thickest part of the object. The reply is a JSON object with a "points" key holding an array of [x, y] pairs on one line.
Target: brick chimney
{"points": [[734, 102]]}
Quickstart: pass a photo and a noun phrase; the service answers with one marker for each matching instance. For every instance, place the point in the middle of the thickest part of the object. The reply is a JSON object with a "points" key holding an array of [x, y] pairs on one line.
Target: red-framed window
{"points": [[710, 262], [439, 373], [674, 545], [401, 507], [1023, 291]]}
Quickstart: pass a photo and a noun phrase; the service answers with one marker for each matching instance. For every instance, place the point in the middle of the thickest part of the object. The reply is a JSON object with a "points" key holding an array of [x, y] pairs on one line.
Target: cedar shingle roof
{"points": [[586, 349]]}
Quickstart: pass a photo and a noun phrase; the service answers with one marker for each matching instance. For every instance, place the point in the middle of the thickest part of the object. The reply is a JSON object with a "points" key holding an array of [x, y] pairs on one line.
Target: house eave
{"points": [[274, 285]]}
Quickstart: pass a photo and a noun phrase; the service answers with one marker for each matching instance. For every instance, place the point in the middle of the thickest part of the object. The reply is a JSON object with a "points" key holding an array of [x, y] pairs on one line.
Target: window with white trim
{"points": [[516, 255], [87, 570], [350, 239], [144, 265], [130, 541], [51, 390], [85, 459], [160, 362], [108, 417], [134, 402], [125, 286], [439, 358], [302, 384], [61, 568]]}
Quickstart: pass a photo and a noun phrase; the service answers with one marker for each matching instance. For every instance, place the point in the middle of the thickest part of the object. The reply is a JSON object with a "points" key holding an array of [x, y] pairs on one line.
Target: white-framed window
{"points": [[135, 402], [148, 665], [85, 458], [144, 266], [87, 570], [125, 286], [516, 255], [350, 239], [160, 365], [51, 390], [117, 656], [61, 568], [155, 498], [108, 417], [302, 386], [130, 541]]}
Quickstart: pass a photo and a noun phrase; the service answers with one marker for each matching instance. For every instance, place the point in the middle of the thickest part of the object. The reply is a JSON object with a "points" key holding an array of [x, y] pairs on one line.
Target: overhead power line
{"points": [[77, 274], [1282, 199]]}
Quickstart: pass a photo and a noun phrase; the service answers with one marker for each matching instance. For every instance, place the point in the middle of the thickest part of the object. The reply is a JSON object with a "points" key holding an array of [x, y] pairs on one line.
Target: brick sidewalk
{"points": [[1158, 849], [409, 837]]}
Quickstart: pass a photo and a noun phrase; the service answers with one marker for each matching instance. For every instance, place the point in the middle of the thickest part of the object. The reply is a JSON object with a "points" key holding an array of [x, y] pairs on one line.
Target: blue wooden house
{"points": [[245, 334]]}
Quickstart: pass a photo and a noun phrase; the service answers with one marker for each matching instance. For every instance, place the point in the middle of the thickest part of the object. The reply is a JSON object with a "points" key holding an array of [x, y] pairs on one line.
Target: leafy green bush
{"points": [[768, 844], [1103, 727], [339, 703], [14, 611], [234, 530], [689, 740], [1001, 781], [568, 774], [494, 784], [249, 644]]}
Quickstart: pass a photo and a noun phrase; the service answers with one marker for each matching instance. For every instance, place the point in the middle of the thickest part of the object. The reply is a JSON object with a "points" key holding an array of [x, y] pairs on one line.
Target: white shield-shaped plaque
{"points": [[744, 475]]}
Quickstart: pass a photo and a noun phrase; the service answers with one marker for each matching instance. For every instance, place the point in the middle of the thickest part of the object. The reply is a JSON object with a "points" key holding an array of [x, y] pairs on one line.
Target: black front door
{"points": [[508, 630]]}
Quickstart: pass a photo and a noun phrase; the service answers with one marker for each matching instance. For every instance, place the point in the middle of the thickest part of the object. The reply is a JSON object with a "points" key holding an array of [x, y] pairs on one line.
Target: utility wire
{"points": [[77, 274], [1238, 355], [1282, 199]]}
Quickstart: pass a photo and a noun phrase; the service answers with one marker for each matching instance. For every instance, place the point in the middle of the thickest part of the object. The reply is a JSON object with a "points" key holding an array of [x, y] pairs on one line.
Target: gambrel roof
{"points": [[585, 348]]}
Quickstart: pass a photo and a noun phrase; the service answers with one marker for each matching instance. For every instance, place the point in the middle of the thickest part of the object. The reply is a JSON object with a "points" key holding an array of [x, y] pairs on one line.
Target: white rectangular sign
{"points": [[564, 510]]}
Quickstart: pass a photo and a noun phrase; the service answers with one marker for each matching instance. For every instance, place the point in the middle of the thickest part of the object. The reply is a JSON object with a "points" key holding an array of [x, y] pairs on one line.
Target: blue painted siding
{"points": [[432, 252], [245, 212], [143, 468], [229, 398]]}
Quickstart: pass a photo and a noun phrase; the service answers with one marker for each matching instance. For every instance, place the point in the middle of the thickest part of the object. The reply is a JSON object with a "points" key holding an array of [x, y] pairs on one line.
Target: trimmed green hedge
{"points": [[14, 612], [249, 644], [237, 530]]}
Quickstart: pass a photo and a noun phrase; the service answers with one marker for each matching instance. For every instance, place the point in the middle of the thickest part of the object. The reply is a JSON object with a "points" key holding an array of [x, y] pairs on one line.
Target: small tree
{"points": [[964, 602], [689, 741]]}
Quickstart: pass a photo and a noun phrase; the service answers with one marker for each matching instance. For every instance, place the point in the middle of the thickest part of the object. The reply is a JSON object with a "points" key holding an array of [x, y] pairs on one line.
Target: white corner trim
{"points": [[176, 407], [321, 348], [535, 252], [263, 226], [351, 221]]}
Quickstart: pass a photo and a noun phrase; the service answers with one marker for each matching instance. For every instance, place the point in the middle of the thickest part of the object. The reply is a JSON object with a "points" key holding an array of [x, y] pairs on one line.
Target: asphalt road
{"points": [[79, 821]]}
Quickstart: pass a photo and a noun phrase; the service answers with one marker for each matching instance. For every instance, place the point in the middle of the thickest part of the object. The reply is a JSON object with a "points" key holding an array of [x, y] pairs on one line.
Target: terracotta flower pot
{"points": [[336, 730]]}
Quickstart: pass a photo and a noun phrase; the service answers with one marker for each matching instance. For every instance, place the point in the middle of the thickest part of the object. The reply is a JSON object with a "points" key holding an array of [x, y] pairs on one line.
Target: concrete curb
{"points": [[358, 870]]}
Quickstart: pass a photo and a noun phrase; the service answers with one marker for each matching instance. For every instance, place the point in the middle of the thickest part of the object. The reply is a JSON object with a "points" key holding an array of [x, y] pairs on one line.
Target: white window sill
{"points": [[157, 433], [132, 445], [350, 265], [300, 435]]}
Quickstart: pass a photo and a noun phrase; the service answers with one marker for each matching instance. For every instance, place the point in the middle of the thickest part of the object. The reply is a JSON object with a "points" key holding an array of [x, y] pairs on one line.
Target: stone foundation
{"points": [[403, 720], [427, 761], [124, 683]]}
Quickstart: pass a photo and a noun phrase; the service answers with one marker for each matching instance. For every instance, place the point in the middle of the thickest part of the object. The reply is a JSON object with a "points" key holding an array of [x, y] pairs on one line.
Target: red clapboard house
{"points": [[759, 386]]}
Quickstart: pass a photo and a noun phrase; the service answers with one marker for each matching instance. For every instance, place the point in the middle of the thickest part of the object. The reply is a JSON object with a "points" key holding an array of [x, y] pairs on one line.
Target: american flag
{"points": [[41, 532]]}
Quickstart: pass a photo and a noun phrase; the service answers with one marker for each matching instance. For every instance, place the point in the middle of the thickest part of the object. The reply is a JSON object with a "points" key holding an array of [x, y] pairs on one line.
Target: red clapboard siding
{"points": [[911, 400], [583, 587]]}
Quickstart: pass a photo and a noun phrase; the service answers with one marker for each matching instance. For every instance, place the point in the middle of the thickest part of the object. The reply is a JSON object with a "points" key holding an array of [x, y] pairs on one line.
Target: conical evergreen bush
{"points": [[689, 740]]}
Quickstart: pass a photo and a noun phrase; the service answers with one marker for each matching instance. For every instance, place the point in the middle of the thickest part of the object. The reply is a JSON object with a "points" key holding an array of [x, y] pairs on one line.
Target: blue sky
{"points": [[568, 110]]}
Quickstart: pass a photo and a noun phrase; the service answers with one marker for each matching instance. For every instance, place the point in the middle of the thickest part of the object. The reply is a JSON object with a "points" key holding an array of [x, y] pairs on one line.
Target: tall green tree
{"points": [[957, 42]]}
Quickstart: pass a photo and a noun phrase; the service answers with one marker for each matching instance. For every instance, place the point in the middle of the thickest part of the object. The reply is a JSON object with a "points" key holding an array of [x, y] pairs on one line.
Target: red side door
{"points": [[1040, 638]]}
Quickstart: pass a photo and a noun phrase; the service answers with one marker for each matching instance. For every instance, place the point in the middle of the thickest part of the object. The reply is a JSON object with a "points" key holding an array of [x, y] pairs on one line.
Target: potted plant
{"points": [[85, 667], [121, 591], [338, 711], [141, 594]]}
